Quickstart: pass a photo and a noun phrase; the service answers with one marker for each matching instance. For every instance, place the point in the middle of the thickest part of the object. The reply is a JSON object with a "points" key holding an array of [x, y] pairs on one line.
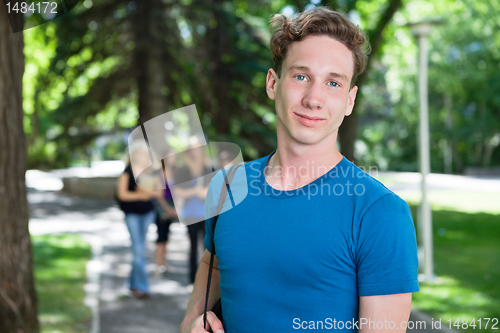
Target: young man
{"points": [[317, 243]]}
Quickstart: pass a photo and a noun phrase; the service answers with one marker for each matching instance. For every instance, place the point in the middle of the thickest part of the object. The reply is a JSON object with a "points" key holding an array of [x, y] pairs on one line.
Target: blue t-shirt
{"points": [[306, 255]]}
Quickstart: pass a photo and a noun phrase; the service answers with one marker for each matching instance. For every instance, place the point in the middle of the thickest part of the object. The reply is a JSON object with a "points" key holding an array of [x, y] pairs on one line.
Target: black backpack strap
{"points": [[225, 189]]}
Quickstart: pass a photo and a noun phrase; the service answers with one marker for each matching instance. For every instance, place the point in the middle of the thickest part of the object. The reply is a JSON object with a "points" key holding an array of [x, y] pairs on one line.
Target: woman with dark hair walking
{"points": [[135, 201]]}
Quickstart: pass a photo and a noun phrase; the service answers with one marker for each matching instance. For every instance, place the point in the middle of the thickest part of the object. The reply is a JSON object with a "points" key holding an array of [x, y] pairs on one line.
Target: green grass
{"points": [[59, 279], [466, 227], [467, 262]]}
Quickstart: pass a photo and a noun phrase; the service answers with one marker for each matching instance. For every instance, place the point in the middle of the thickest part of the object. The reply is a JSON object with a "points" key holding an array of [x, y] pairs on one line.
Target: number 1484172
{"points": [[40, 7]]}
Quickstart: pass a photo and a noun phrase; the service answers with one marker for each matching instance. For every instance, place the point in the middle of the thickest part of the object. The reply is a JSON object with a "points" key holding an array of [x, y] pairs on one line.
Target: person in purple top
{"points": [[166, 215]]}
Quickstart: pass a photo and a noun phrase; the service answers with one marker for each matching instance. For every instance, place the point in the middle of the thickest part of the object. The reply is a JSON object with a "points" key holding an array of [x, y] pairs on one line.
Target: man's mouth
{"points": [[308, 120]]}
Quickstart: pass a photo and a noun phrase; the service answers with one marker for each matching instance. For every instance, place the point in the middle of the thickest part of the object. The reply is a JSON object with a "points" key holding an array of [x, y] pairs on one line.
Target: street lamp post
{"points": [[421, 31]]}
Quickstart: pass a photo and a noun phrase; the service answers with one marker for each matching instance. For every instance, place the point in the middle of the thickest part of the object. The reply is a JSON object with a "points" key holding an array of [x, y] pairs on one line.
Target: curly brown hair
{"points": [[318, 21]]}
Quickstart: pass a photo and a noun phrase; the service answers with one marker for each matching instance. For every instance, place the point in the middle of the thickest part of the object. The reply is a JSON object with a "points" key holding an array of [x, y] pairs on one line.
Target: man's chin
{"points": [[309, 140]]}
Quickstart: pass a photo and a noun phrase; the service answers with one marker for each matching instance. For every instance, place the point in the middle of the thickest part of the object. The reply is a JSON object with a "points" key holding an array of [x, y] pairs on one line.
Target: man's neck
{"points": [[296, 165]]}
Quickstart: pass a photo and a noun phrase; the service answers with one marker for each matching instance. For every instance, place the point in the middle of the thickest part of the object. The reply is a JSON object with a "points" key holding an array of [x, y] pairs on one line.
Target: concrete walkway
{"points": [[164, 310], [101, 223]]}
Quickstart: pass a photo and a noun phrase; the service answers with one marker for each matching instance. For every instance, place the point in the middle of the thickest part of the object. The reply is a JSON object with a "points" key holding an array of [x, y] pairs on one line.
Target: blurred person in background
{"points": [[193, 189], [166, 214], [136, 202]]}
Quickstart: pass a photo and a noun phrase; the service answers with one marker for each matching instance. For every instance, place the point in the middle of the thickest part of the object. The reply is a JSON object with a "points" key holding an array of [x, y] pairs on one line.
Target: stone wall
{"points": [[95, 187]]}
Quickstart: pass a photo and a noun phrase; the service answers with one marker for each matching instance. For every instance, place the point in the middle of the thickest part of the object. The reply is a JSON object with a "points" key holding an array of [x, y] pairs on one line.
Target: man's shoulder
{"points": [[376, 206]]}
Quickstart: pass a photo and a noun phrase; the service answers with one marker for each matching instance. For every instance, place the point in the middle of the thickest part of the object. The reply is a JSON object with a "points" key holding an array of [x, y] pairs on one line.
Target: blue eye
{"points": [[300, 77], [337, 85]]}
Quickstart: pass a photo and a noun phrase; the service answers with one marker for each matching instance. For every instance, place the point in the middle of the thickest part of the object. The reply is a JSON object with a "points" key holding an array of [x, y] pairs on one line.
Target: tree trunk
{"points": [[348, 132], [149, 40], [349, 128], [17, 292], [216, 46]]}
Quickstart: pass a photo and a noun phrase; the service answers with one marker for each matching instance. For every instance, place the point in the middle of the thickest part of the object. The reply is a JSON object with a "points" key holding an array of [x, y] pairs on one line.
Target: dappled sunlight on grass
{"points": [[59, 278], [449, 299]]}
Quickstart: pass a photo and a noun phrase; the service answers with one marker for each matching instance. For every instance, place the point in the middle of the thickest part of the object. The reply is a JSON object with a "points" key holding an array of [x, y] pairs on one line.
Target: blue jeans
{"points": [[137, 225]]}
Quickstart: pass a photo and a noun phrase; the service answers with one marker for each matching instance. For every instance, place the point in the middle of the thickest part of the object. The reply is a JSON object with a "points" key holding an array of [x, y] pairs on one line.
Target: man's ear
{"points": [[271, 80], [350, 100]]}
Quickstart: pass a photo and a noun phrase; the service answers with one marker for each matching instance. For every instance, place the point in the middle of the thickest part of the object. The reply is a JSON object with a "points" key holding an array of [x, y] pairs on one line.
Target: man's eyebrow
{"points": [[305, 68], [339, 75]]}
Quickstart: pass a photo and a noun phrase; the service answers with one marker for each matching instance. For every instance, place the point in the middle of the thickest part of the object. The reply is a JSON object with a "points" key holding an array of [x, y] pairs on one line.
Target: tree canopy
{"points": [[102, 68]]}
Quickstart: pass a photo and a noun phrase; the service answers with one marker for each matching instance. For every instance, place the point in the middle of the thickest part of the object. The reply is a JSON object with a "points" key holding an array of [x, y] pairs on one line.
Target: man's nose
{"points": [[314, 98]]}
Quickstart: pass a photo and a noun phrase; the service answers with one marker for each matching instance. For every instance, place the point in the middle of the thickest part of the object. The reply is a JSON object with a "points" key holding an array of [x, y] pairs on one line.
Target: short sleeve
{"points": [[386, 259]]}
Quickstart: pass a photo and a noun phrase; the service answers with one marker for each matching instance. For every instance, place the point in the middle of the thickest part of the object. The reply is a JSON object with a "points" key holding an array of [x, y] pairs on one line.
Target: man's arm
{"points": [[384, 309], [193, 321]]}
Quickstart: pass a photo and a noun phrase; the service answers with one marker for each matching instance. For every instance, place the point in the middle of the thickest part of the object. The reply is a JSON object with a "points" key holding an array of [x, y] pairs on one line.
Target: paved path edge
{"points": [[93, 285]]}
